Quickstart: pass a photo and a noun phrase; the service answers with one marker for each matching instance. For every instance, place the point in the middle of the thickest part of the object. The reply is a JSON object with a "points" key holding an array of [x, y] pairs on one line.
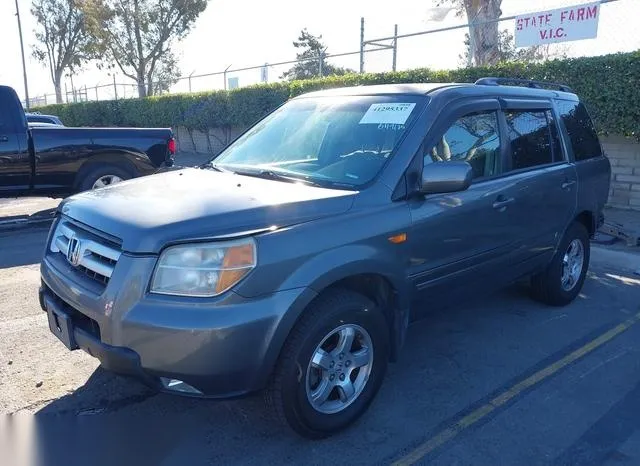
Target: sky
{"points": [[242, 33]]}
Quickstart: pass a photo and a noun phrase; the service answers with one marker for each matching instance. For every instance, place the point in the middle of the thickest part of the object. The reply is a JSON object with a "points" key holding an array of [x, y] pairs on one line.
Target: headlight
{"points": [[206, 269]]}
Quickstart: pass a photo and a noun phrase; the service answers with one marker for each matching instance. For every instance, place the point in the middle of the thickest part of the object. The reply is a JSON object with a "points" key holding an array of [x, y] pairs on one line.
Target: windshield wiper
{"points": [[270, 175], [213, 166], [293, 178]]}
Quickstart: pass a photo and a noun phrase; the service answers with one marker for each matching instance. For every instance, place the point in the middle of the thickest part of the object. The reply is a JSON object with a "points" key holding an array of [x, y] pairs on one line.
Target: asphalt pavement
{"points": [[500, 380]]}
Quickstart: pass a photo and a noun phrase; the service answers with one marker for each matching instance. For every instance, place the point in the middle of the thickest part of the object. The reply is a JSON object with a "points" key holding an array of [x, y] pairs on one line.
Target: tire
{"points": [[103, 171], [294, 376], [549, 286]]}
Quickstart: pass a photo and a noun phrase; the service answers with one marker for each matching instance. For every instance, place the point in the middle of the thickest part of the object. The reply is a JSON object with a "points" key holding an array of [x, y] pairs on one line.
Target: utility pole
{"points": [[395, 46], [73, 87], [24, 66], [225, 77], [321, 54], [190, 79], [362, 44]]}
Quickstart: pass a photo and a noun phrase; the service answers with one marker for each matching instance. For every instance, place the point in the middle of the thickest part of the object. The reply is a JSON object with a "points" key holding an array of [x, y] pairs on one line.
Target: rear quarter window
{"points": [[582, 134]]}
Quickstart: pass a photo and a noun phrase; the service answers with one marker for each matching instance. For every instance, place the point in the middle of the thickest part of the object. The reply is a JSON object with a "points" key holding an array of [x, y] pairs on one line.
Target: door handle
{"points": [[4, 138], [501, 202], [567, 184]]}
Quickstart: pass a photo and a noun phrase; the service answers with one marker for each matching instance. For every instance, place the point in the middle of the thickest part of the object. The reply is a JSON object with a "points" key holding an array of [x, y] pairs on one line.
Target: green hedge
{"points": [[609, 84]]}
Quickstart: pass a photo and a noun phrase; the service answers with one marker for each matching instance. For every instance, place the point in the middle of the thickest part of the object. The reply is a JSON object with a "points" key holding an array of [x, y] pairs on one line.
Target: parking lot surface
{"points": [[498, 380]]}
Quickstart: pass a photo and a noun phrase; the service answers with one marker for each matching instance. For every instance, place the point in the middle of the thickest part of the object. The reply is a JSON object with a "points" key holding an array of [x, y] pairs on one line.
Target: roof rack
{"points": [[491, 81]]}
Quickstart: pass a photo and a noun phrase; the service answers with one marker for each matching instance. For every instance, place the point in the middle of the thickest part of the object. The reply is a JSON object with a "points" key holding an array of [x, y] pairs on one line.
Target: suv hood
{"points": [[149, 212]]}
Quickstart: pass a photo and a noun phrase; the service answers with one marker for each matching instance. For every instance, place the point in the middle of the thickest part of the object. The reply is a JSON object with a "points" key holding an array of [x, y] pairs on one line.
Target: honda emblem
{"points": [[73, 253]]}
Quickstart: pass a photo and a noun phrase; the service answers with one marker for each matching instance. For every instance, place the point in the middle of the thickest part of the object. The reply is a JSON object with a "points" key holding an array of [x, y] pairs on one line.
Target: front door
{"points": [[458, 239], [15, 164]]}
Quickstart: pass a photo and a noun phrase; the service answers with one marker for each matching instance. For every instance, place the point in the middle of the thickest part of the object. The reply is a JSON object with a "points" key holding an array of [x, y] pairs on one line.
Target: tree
{"points": [[313, 59], [64, 42], [137, 35], [484, 37], [507, 51]]}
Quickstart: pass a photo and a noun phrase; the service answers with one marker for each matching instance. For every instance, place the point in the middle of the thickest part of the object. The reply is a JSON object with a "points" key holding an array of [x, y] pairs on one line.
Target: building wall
{"points": [[197, 141], [624, 154]]}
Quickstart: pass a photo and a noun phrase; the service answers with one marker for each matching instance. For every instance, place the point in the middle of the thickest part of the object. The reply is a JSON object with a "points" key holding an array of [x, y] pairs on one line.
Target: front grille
{"points": [[89, 254]]}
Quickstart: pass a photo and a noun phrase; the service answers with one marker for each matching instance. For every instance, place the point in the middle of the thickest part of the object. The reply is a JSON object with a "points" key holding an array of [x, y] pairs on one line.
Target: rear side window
{"points": [[530, 138], [580, 129]]}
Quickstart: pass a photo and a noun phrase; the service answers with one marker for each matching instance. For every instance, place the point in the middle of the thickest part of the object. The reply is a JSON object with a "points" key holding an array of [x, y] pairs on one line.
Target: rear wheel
{"points": [[331, 366], [106, 180], [562, 281], [103, 175]]}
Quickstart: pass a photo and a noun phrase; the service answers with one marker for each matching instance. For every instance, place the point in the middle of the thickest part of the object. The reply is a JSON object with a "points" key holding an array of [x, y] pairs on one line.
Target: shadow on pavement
{"points": [[23, 247], [39, 216], [452, 360]]}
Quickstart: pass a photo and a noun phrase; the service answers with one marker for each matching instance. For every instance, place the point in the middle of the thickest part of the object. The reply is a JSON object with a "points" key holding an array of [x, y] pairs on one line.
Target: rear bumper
{"points": [[222, 348]]}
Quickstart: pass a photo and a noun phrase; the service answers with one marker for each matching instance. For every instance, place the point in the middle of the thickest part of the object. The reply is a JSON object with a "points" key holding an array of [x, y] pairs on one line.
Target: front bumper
{"points": [[222, 347]]}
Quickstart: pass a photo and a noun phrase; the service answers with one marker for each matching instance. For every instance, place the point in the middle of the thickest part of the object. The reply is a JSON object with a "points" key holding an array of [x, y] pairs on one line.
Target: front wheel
{"points": [[331, 366], [562, 281]]}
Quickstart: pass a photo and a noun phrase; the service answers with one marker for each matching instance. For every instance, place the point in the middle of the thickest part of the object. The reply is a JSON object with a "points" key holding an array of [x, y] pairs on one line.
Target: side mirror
{"points": [[446, 177]]}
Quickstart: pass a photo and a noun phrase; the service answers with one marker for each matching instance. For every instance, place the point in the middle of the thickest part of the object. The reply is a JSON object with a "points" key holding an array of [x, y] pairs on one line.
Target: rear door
{"points": [[544, 181], [15, 163], [460, 242], [584, 149]]}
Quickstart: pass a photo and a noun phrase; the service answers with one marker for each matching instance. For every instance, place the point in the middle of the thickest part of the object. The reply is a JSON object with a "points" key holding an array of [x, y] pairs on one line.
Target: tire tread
{"points": [[273, 394], [544, 286]]}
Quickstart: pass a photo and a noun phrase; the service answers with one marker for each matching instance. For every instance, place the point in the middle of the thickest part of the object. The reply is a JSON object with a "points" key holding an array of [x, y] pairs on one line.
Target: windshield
{"points": [[330, 141]]}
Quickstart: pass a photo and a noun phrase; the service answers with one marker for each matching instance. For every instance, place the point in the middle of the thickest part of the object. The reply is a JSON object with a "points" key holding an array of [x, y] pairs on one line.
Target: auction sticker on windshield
{"points": [[388, 113]]}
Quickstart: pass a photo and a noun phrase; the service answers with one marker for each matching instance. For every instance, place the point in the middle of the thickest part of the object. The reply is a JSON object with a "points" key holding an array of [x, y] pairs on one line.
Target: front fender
{"points": [[329, 267]]}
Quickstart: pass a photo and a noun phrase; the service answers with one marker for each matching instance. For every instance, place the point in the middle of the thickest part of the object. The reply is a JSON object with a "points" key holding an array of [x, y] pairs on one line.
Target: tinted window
{"points": [[555, 138], [36, 119], [473, 138], [5, 104], [530, 138], [582, 134]]}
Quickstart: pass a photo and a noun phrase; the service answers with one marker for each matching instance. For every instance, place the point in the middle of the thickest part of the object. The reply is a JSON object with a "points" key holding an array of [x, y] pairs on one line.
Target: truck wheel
{"points": [[103, 175], [331, 365], [562, 281]]}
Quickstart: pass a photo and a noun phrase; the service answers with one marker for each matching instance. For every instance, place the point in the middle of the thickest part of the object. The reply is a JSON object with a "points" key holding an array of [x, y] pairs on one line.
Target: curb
{"points": [[624, 259], [24, 223]]}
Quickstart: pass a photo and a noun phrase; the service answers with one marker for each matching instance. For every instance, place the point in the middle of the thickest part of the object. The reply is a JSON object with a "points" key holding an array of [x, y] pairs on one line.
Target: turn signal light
{"points": [[400, 238]]}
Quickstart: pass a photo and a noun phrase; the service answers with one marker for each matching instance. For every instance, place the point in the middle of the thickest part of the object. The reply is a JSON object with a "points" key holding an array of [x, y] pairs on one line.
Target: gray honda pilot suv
{"points": [[294, 260]]}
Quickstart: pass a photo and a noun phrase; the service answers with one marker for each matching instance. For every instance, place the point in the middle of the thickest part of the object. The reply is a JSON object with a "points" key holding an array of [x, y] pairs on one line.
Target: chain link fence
{"points": [[444, 44]]}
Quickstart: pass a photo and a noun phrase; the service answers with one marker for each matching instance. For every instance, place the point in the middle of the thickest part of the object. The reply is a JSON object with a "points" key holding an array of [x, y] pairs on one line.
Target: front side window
{"points": [[473, 138], [327, 140], [529, 137], [582, 134]]}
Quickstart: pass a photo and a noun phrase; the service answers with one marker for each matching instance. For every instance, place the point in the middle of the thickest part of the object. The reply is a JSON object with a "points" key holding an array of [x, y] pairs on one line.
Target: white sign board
{"points": [[387, 113], [561, 25]]}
